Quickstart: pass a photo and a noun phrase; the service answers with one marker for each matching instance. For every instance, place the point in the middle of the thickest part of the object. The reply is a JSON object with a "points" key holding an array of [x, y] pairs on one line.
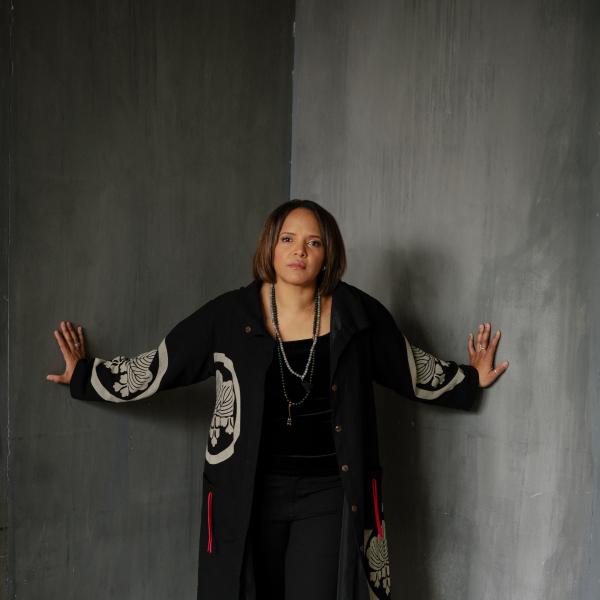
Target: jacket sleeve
{"points": [[415, 373], [182, 358]]}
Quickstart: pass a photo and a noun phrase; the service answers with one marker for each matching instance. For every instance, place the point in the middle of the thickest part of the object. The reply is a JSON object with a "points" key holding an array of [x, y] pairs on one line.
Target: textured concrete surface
{"points": [[457, 144], [5, 142], [145, 143]]}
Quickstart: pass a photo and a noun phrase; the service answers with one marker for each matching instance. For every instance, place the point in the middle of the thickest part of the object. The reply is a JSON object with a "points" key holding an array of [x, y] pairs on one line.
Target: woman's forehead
{"points": [[300, 219]]}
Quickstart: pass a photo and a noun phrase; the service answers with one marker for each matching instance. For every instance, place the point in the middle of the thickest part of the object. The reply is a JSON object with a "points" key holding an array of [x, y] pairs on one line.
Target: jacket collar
{"points": [[348, 316]]}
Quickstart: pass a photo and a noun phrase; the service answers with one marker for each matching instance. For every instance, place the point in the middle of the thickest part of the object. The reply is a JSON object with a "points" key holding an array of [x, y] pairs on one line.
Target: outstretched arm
{"points": [[184, 356], [418, 375]]}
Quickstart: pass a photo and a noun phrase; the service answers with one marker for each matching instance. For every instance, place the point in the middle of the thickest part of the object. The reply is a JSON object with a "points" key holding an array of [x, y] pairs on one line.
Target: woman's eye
{"points": [[316, 243]]}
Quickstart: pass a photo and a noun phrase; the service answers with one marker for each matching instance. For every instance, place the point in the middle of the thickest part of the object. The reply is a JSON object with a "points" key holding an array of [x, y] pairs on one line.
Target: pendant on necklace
{"points": [[289, 419], [307, 385]]}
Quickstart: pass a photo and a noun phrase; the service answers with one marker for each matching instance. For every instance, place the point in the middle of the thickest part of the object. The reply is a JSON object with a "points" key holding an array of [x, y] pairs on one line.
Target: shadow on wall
{"points": [[414, 285]]}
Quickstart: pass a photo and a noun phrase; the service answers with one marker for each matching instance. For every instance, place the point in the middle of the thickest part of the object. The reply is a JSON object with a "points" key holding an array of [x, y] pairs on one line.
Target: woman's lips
{"points": [[297, 266]]}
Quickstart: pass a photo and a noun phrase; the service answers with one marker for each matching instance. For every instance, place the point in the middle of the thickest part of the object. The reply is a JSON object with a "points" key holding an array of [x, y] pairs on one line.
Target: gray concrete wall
{"points": [[457, 143], [147, 141], [5, 143]]}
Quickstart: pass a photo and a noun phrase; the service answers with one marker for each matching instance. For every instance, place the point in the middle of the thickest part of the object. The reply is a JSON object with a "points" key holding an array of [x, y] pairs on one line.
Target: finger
{"points": [[495, 340], [72, 335], [62, 343], [66, 336], [75, 337], [486, 335], [479, 334], [503, 366], [81, 339], [56, 378], [470, 347], [497, 371], [482, 343], [488, 355]]}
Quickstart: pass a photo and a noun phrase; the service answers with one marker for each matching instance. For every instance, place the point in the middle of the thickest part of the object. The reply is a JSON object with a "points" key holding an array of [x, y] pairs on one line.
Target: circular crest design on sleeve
{"points": [[430, 369], [225, 424], [134, 373]]}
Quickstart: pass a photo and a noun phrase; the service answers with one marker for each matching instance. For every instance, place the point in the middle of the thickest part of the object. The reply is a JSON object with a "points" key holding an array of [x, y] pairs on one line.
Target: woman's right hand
{"points": [[72, 346]]}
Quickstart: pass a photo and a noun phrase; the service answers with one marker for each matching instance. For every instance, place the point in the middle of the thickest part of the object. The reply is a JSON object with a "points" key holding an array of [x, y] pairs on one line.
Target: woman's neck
{"points": [[294, 299], [295, 311]]}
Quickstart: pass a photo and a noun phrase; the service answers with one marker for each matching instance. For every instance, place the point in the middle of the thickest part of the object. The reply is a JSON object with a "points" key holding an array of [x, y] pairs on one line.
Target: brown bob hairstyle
{"points": [[335, 253]]}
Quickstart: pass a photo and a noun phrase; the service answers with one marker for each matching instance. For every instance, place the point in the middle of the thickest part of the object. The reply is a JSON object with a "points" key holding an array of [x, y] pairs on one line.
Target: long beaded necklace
{"points": [[307, 385]]}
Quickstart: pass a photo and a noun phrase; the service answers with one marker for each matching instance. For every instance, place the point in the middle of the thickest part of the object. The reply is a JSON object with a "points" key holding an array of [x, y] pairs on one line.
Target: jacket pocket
{"points": [[222, 517], [210, 531], [208, 515], [377, 514]]}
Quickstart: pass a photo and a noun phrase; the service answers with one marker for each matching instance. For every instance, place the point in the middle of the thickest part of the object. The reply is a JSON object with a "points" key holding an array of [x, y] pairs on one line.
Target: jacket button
{"points": [[247, 329], [344, 467], [334, 387], [354, 508], [338, 427]]}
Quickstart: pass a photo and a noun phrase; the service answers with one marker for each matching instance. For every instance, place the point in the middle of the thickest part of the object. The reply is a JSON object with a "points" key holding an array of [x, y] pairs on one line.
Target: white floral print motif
{"points": [[376, 552], [224, 410], [135, 374], [431, 376], [226, 420], [124, 379], [430, 370]]}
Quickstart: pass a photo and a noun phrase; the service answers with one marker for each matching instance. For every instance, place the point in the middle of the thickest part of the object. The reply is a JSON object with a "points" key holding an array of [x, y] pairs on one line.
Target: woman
{"points": [[292, 498]]}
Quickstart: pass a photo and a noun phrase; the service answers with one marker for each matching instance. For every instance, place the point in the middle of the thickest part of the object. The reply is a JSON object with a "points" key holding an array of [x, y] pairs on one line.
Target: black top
{"points": [[306, 447]]}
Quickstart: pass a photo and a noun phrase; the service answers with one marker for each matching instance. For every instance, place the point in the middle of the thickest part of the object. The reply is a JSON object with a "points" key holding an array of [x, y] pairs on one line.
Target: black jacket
{"points": [[226, 337]]}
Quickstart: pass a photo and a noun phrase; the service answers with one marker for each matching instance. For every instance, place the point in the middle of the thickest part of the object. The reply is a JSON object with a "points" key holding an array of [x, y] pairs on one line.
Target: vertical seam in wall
{"points": [[10, 147], [291, 102]]}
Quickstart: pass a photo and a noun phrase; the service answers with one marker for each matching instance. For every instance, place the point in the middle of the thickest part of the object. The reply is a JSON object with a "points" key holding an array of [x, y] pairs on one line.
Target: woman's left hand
{"points": [[482, 355]]}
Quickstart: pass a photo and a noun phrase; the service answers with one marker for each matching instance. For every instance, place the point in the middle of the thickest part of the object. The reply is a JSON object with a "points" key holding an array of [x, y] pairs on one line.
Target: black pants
{"points": [[296, 524]]}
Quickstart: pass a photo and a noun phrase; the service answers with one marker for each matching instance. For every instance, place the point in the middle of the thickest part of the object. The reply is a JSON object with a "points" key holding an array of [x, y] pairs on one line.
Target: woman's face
{"points": [[299, 253]]}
